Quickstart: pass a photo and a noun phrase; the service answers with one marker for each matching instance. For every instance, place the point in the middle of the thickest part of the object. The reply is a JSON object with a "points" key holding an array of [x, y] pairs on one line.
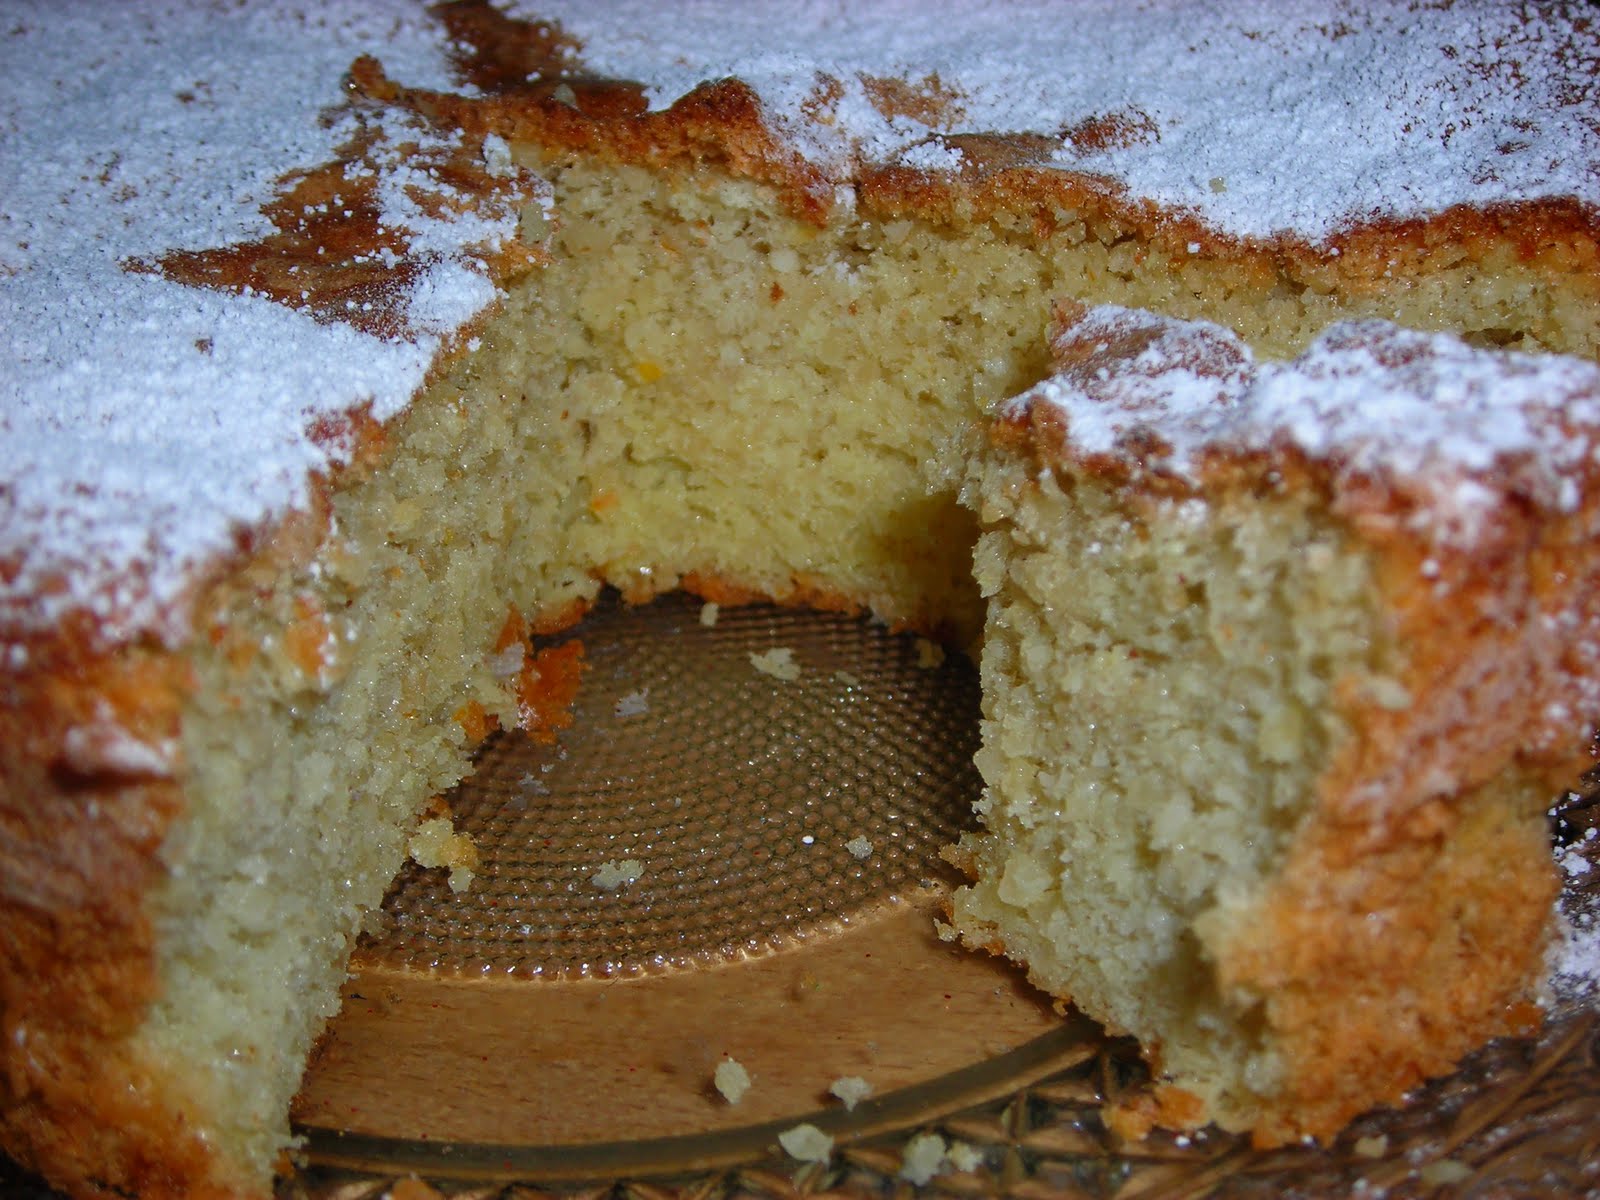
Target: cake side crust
{"points": [[88, 790]]}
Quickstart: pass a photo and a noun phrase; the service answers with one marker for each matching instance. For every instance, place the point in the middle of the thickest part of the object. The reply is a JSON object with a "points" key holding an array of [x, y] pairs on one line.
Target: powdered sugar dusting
{"points": [[1575, 958], [145, 421], [1425, 413], [1260, 118]]}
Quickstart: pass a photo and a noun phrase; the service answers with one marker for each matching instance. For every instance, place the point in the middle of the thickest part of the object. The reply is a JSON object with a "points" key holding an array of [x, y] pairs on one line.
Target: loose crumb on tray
{"points": [[1445, 1171], [806, 1143], [777, 662], [633, 704], [851, 1089], [412, 1188], [615, 874], [731, 1079], [924, 1157], [437, 844], [964, 1157]]}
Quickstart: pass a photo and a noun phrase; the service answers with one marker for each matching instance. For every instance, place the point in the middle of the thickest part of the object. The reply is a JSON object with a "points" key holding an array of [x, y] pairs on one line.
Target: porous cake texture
{"points": [[1278, 676], [348, 345]]}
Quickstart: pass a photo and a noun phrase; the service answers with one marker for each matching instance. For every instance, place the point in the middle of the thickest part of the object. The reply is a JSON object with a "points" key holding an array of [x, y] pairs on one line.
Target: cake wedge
{"points": [[1283, 664]]}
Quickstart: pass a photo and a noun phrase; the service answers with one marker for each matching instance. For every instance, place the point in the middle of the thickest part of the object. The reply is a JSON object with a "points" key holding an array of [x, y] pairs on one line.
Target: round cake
{"points": [[350, 345]]}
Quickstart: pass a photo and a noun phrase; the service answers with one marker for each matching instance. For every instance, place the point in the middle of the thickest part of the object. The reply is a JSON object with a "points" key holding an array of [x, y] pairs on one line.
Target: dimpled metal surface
{"points": [[756, 805]]}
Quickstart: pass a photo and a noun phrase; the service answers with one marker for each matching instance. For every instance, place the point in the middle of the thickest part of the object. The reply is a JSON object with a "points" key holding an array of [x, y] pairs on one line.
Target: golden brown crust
{"points": [[807, 591], [1381, 969], [1134, 1116], [547, 687], [91, 781], [1409, 923], [802, 592], [717, 123], [86, 796], [535, 91], [333, 255], [1002, 174], [499, 54]]}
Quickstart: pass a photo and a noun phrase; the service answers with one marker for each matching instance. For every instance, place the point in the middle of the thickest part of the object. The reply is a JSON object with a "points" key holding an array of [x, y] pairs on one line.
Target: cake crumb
{"points": [[1372, 1147], [806, 1143], [929, 654], [633, 704], [851, 1089], [1445, 1171], [731, 1079], [859, 847], [964, 1157], [437, 844], [615, 874], [846, 678], [777, 662], [924, 1157], [709, 612], [945, 931]]}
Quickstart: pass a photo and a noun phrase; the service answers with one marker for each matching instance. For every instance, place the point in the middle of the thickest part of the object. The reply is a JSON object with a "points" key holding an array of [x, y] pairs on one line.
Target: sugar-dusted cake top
{"points": [[1259, 117], [167, 385], [1454, 428], [146, 421]]}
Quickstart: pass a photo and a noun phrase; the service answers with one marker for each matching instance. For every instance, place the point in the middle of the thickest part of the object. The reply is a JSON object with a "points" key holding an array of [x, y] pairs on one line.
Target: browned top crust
{"points": [[536, 87]]}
